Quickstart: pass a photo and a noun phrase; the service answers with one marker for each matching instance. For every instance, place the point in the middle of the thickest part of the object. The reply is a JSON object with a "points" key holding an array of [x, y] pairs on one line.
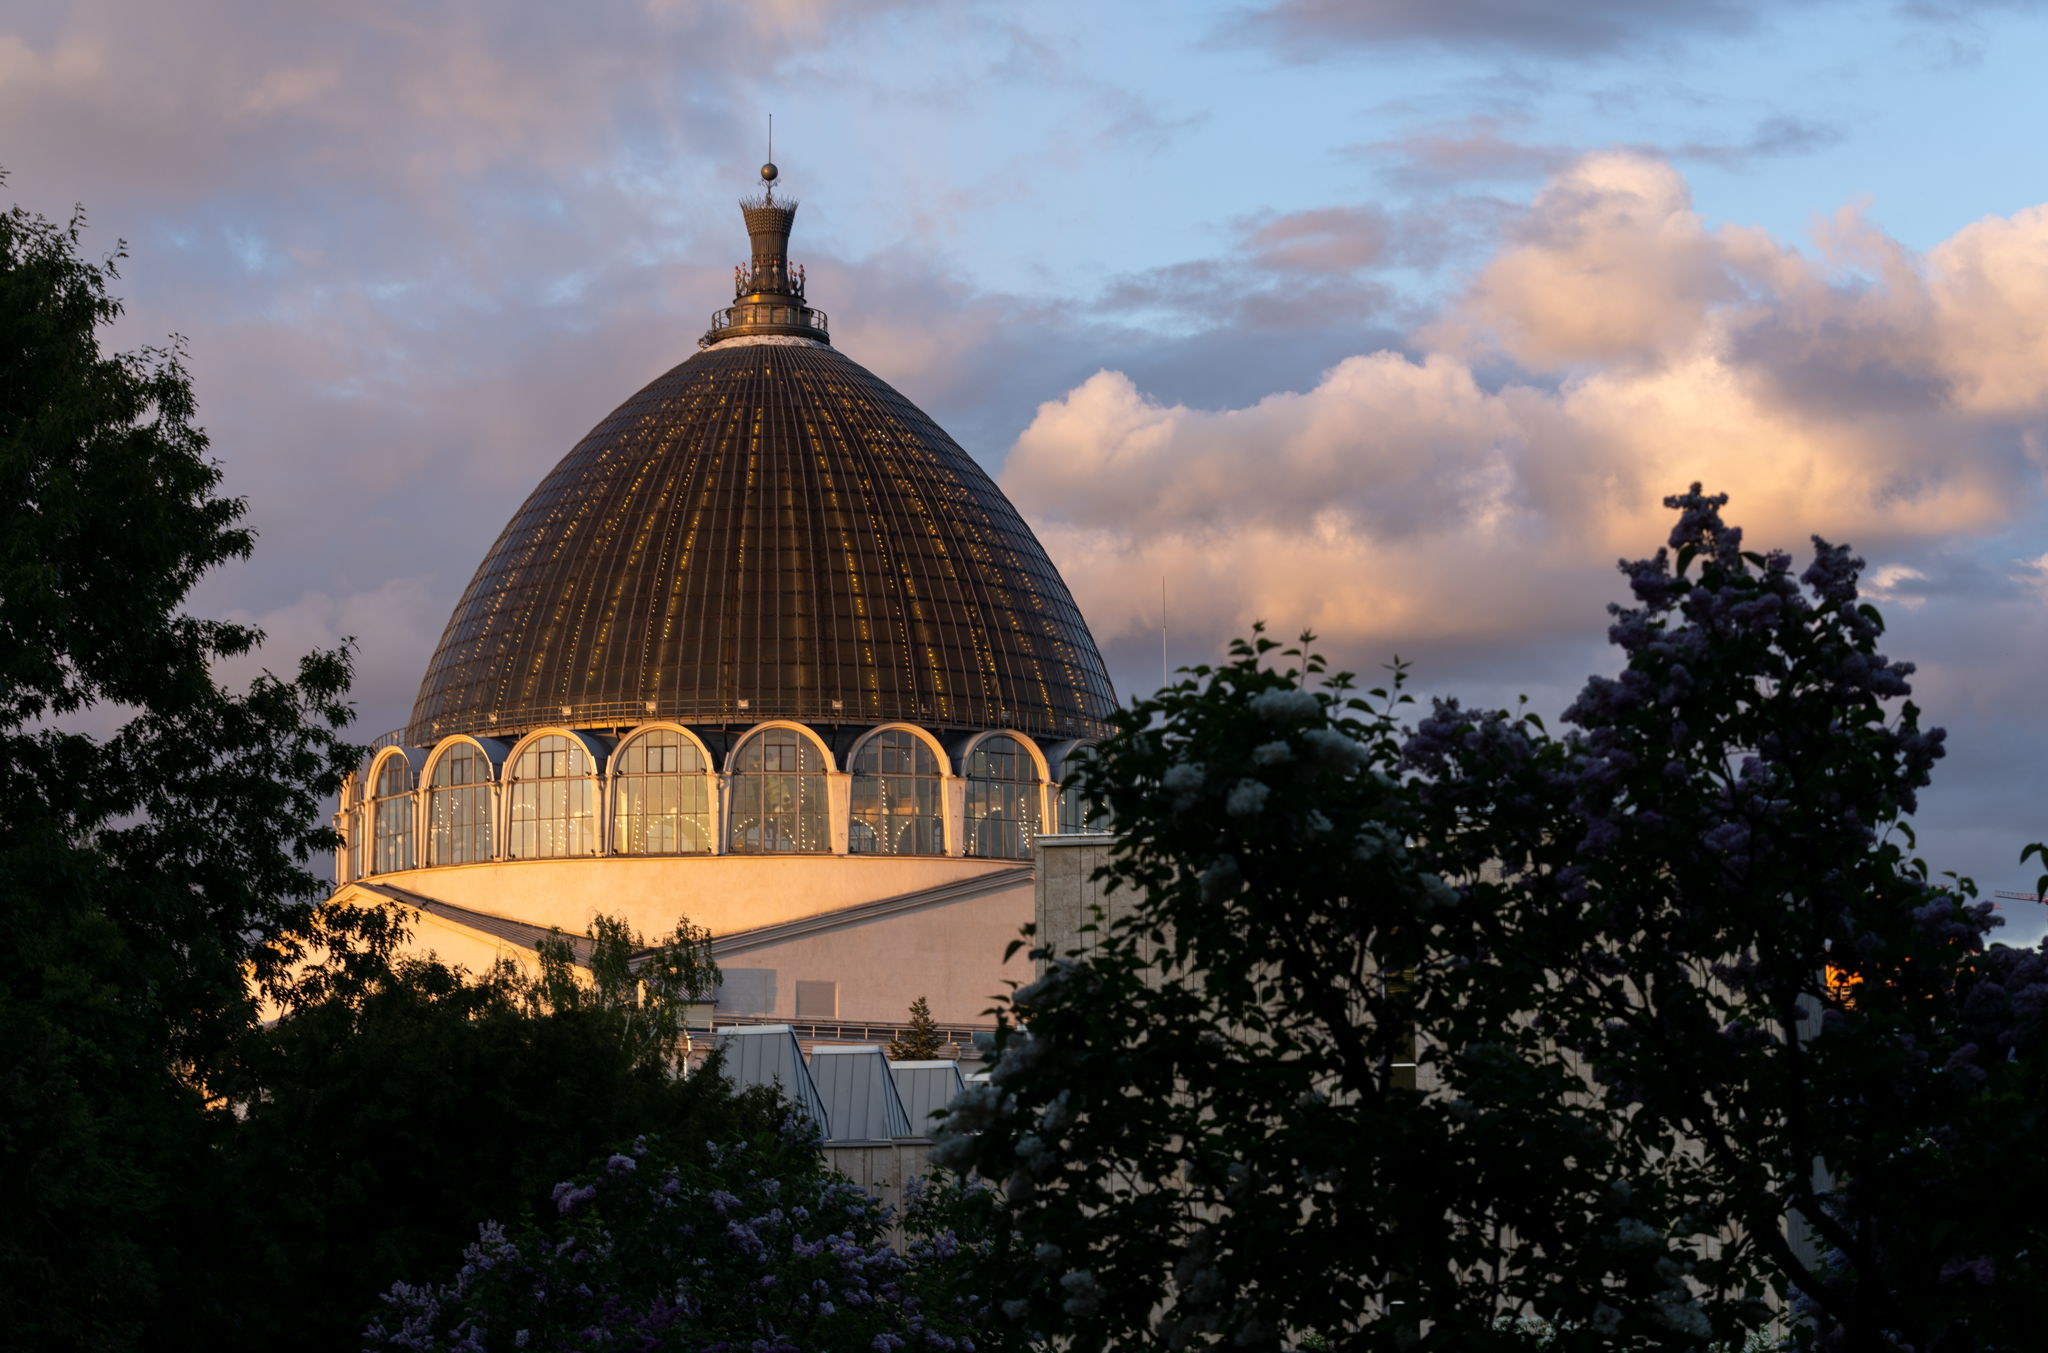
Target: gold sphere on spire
{"points": [[768, 172]]}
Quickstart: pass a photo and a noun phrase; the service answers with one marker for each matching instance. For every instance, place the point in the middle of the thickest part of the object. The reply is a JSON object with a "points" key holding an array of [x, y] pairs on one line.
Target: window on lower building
{"points": [[817, 1000]]}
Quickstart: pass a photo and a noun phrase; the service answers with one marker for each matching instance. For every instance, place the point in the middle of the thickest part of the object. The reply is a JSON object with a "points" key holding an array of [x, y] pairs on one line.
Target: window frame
{"points": [[934, 821], [618, 779], [485, 821], [744, 784], [1029, 825], [547, 828]]}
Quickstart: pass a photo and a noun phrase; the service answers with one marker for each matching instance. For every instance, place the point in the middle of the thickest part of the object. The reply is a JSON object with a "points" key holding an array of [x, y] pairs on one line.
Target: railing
{"points": [[788, 316], [623, 714], [959, 1037]]}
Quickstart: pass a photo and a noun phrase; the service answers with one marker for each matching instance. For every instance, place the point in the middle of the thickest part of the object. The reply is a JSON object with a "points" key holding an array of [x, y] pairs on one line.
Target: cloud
{"points": [[1610, 264], [1472, 490], [390, 625], [1774, 136], [1482, 149], [1476, 149], [1313, 29]]}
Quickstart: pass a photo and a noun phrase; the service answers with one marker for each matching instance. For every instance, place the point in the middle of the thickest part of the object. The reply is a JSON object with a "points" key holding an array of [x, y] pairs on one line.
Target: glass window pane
{"points": [[1003, 801], [896, 797], [554, 800], [661, 804], [459, 807], [778, 796]]}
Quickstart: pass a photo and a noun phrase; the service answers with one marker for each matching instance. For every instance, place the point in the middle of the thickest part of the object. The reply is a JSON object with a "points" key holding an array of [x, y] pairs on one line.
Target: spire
{"points": [[768, 292]]}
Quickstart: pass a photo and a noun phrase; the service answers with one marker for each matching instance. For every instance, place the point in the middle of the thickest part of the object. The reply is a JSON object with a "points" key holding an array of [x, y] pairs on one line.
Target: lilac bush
{"points": [[1785, 1013], [747, 1245], [1699, 1038]]}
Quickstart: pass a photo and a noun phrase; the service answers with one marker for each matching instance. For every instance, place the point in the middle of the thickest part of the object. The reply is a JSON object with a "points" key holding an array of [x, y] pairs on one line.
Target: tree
{"points": [[1675, 977], [1775, 997], [747, 1242], [380, 1121], [1202, 1137], [922, 1041], [643, 992], [148, 874]]}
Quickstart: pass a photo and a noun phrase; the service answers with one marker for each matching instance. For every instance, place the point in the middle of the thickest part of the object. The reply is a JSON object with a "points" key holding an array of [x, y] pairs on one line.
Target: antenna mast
{"points": [[1165, 673]]}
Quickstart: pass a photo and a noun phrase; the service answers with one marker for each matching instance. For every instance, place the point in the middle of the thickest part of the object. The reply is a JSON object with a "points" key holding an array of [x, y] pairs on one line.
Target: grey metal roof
{"points": [[768, 1054], [859, 1093], [925, 1088]]}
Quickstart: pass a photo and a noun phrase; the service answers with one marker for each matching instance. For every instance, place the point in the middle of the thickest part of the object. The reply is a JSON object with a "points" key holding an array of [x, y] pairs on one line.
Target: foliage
{"points": [[1742, 947], [746, 1243], [147, 873], [642, 992], [381, 1122], [922, 1041], [1662, 966], [176, 1173], [1204, 1137]]}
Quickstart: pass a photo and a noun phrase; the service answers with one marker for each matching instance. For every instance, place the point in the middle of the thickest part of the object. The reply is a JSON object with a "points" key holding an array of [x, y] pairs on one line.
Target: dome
{"points": [[768, 530]]}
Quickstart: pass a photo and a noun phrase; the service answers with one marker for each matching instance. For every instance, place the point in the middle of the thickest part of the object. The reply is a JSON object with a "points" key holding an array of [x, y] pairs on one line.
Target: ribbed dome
{"points": [[768, 530]]}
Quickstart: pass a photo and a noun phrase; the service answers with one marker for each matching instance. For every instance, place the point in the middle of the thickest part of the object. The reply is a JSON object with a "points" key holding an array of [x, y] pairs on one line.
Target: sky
{"points": [[1390, 319]]}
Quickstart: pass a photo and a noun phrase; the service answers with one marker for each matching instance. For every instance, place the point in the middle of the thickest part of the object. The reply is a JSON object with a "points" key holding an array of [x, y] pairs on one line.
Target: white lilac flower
{"points": [[1333, 749], [1020, 1055], [1184, 780], [1637, 1235], [1083, 1295], [1374, 840], [1246, 797], [1272, 754], [1436, 893], [1281, 704], [1220, 879]]}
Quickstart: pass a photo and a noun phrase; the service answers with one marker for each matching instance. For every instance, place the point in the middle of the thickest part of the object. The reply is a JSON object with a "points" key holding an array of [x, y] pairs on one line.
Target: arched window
{"points": [[661, 797], [1077, 814], [554, 800], [778, 796], [391, 818], [896, 806], [1002, 799], [459, 807]]}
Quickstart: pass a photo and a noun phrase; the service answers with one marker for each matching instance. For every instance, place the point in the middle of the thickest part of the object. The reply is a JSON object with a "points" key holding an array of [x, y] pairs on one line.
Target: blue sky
{"points": [[1392, 317]]}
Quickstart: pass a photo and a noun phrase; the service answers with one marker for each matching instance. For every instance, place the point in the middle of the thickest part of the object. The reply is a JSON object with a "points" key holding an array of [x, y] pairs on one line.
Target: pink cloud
{"points": [[1868, 393]]}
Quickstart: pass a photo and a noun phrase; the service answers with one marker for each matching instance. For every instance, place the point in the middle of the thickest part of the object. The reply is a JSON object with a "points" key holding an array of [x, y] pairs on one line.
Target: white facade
{"points": [[787, 844]]}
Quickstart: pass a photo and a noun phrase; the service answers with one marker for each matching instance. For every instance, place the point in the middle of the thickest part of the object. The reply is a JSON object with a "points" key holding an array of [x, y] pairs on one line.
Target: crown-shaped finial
{"points": [[768, 293]]}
